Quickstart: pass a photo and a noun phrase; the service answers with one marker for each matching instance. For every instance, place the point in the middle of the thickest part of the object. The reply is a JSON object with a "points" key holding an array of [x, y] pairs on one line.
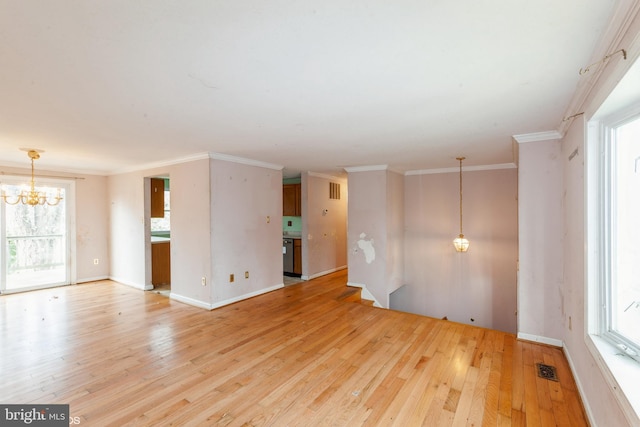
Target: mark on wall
{"points": [[367, 248]]}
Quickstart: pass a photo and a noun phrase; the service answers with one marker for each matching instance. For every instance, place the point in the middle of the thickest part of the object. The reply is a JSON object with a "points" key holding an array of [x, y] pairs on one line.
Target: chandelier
{"points": [[32, 197], [461, 244]]}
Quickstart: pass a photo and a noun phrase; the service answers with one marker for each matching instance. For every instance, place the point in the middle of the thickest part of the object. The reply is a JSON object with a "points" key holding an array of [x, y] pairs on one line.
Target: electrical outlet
{"points": [[96, 261], [204, 281], [246, 274], [231, 278]]}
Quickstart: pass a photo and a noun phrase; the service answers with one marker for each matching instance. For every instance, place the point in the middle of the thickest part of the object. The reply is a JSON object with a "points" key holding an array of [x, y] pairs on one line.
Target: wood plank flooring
{"points": [[295, 356]]}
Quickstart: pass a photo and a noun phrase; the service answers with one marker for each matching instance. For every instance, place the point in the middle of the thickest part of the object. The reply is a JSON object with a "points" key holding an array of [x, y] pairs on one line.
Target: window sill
{"points": [[621, 372]]}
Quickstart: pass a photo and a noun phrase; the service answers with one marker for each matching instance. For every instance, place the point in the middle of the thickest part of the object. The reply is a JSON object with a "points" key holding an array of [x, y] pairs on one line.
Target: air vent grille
{"points": [[334, 190]]}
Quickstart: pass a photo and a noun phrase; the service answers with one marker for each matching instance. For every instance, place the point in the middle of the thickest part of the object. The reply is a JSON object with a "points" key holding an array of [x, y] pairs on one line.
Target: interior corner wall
{"points": [[92, 228], [477, 287], [540, 222], [130, 250], [191, 231], [367, 232], [395, 231], [246, 230], [324, 229]]}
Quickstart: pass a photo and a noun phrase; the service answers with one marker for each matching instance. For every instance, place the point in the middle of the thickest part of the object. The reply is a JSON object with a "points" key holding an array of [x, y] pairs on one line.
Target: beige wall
{"points": [[540, 290], [376, 233], [324, 236], [246, 230], [479, 284]]}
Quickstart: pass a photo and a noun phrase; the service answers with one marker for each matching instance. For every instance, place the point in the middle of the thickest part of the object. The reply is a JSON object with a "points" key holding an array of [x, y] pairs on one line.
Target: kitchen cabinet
{"points": [[297, 256], [291, 200], [161, 263], [157, 198]]}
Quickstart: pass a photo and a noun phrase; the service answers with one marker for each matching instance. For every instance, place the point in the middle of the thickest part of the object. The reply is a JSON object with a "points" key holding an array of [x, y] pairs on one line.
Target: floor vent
{"points": [[547, 372]]}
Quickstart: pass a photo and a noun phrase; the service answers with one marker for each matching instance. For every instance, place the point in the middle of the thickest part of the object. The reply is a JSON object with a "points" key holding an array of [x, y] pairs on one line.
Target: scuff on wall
{"points": [[367, 248]]}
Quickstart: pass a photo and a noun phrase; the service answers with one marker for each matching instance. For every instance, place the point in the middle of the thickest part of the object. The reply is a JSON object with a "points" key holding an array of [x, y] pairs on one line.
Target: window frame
{"points": [[601, 232]]}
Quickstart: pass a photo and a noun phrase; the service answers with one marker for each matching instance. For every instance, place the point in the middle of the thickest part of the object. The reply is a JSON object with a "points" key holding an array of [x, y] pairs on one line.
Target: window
{"points": [[612, 257], [623, 315], [618, 232]]}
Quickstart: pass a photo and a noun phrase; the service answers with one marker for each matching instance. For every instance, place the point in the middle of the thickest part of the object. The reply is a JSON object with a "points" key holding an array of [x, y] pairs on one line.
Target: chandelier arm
{"points": [[32, 197]]}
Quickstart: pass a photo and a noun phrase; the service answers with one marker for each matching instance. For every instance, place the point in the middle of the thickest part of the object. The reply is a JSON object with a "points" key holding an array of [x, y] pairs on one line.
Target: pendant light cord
{"points": [[460, 159]]}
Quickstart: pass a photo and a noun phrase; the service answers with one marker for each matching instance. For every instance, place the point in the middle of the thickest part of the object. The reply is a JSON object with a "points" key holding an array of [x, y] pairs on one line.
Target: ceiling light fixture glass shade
{"points": [[32, 197], [461, 243]]}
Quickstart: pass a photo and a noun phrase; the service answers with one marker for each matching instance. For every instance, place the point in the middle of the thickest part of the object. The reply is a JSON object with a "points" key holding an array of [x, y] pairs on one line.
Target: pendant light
{"points": [[32, 197], [461, 244]]}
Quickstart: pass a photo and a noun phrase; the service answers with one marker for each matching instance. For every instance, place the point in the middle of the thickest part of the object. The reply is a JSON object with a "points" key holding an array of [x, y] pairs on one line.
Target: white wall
{"points": [[130, 247], [479, 284], [127, 229], [191, 232], [246, 230], [540, 219], [395, 231], [92, 228], [324, 236], [376, 232]]}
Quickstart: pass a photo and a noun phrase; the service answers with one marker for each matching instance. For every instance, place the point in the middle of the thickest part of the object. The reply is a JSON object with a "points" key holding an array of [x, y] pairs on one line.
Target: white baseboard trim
{"points": [[323, 273], [92, 279], [132, 284], [245, 296], [190, 301], [365, 293], [213, 306], [539, 339], [576, 378]]}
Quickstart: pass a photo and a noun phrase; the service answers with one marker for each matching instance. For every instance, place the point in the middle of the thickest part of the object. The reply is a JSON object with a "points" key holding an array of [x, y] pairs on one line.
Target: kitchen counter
{"points": [[158, 239]]}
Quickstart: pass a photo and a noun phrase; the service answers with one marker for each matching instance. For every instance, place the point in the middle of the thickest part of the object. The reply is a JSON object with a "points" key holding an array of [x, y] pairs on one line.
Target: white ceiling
{"points": [[112, 85]]}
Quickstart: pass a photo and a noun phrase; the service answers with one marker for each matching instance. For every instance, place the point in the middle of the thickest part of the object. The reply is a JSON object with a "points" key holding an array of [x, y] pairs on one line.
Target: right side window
{"points": [[620, 239]]}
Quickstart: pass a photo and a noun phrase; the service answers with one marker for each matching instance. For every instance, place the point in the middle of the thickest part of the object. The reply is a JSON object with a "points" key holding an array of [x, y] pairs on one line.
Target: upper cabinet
{"points": [[157, 198], [291, 200]]}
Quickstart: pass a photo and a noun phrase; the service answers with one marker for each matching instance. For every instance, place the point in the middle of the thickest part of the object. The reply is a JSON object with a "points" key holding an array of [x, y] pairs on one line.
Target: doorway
{"points": [[160, 234], [35, 240]]}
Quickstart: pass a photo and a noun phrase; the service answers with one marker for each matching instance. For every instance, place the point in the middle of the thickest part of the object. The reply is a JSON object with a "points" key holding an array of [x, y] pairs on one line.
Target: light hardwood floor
{"points": [[297, 356]]}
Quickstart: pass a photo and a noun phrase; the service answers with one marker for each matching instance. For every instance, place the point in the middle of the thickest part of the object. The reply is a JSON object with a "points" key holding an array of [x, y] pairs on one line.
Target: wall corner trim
{"points": [[132, 284], [540, 339], [537, 136], [222, 303], [190, 301]]}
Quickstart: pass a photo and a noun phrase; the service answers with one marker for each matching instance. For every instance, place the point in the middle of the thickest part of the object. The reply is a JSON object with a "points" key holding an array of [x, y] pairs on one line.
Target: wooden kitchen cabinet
{"points": [[297, 256], [291, 200], [161, 263], [157, 198]]}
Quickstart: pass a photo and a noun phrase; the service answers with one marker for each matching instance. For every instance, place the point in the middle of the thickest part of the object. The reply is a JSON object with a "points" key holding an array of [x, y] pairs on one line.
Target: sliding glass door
{"points": [[35, 241]]}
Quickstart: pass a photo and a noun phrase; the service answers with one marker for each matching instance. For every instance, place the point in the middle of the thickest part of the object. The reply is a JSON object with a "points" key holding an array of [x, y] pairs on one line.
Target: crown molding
{"points": [[464, 169], [326, 176], [549, 135], [622, 18], [366, 168], [162, 164], [244, 161]]}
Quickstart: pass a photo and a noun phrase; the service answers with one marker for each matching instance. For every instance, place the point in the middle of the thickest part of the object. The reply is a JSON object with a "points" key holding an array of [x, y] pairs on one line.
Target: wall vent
{"points": [[334, 190]]}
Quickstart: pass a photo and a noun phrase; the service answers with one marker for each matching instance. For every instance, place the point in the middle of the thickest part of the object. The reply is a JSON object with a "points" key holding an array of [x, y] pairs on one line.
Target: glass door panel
{"points": [[35, 242]]}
